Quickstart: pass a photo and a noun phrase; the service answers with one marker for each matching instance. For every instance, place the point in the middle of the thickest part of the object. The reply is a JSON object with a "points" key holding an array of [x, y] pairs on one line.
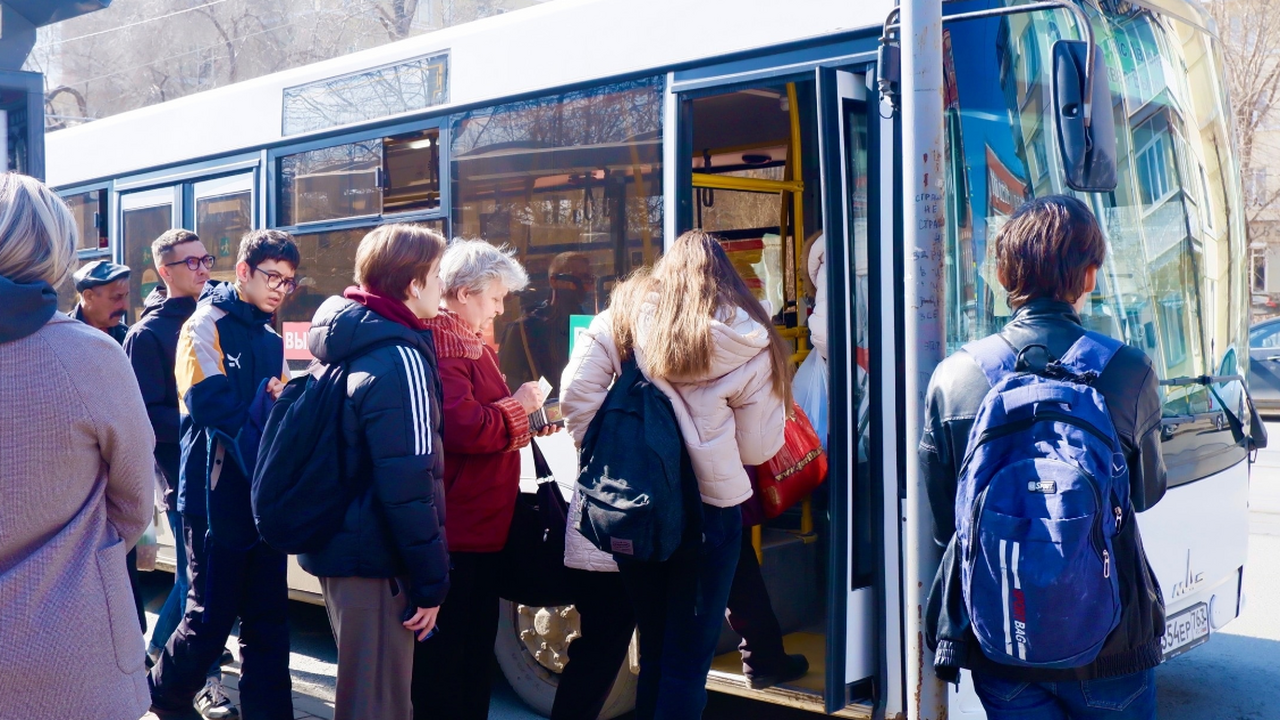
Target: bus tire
{"points": [[536, 684]]}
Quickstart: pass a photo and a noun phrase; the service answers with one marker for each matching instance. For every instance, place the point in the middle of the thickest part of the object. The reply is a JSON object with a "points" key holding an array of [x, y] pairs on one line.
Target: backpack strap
{"points": [[994, 355], [1091, 353]]}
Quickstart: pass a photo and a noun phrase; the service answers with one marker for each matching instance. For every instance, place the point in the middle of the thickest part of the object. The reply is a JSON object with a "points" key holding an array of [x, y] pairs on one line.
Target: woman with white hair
{"points": [[485, 425], [77, 476]]}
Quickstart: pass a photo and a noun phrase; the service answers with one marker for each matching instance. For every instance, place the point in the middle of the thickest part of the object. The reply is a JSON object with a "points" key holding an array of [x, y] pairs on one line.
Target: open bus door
{"points": [[766, 167]]}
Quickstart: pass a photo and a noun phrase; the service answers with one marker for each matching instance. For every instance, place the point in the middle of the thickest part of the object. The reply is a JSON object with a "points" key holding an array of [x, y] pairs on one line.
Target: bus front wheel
{"points": [[531, 648]]}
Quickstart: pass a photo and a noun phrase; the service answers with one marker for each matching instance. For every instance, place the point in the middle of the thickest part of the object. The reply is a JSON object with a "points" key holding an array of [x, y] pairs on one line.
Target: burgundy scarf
{"points": [[393, 310]]}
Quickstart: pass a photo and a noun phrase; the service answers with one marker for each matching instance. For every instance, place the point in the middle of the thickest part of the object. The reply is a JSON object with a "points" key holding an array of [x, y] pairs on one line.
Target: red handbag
{"points": [[796, 471]]}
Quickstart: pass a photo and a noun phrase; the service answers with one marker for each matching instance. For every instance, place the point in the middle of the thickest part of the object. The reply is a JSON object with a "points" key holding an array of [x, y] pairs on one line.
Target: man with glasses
{"points": [[229, 369], [152, 343]]}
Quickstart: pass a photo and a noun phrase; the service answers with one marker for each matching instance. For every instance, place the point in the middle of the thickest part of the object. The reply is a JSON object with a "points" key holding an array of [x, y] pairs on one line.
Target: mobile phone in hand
{"points": [[548, 414], [408, 614]]}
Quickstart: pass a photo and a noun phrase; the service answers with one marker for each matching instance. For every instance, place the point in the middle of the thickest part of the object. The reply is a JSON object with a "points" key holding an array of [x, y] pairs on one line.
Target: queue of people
{"points": [[431, 430]]}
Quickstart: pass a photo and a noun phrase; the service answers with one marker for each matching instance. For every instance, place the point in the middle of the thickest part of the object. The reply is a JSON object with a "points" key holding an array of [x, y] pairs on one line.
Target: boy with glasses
{"points": [[152, 343], [229, 368]]}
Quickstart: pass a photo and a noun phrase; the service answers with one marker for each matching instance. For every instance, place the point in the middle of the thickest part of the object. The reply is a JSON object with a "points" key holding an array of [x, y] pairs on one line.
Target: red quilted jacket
{"points": [[484, 429]]}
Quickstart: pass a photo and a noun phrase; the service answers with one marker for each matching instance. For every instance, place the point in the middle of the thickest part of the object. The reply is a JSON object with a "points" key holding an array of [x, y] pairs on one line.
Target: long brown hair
{"points": [[692, 281]]}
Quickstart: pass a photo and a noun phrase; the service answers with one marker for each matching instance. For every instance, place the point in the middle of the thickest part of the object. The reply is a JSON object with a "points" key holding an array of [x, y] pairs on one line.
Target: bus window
{"points": [[223, 214], [89, 209], [331, 183], [145, 216], [327, 262], [573, 182], [382, 176], [90, 212], [413, 172]]}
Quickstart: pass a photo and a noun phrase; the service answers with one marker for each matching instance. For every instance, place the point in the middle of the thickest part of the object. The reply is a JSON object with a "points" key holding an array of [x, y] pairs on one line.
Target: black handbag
{"points": [[532, 561]]}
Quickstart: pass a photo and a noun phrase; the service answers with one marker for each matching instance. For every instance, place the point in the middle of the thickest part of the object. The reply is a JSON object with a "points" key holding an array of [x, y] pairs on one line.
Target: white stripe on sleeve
{"points": [[424, 398], [414, 386]]}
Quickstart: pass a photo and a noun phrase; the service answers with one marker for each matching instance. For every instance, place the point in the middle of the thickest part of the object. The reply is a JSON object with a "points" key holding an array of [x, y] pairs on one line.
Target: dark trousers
{"points": [[453, 669], [228, 583], [751, 615], [606, 621], [679, 606]]}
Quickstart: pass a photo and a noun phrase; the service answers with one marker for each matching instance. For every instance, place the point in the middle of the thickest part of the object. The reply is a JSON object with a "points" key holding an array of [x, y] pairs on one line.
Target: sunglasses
{"points": [[579, 283], [276, 281], [193, 263]]}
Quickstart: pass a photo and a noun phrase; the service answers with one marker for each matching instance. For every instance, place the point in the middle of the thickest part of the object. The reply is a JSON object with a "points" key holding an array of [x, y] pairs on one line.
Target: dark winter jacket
{"points": [[1131, 388], [226, 353], [152, 346], [395, 526], [484, 429]]}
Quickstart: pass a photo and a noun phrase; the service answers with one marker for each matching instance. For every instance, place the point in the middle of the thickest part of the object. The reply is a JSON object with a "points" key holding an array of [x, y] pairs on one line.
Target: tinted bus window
{"points": [[331, 183], [573, 183], [326, 269], [90, 211]]}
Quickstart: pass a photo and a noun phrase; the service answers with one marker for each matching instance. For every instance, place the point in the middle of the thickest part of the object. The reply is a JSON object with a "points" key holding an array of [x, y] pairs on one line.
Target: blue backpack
{"points": [[1041, 493]]}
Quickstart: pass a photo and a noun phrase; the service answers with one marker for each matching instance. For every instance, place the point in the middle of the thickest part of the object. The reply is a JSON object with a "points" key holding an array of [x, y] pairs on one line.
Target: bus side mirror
{"points": [[1088, 151]]}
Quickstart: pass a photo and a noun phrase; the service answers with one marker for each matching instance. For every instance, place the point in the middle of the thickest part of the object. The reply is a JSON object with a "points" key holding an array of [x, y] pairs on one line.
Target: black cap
{"points": [[99, 272]]}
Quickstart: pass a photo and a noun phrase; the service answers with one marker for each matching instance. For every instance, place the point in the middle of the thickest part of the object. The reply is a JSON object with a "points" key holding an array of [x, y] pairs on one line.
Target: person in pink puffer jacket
{"points": [[701, 337]]}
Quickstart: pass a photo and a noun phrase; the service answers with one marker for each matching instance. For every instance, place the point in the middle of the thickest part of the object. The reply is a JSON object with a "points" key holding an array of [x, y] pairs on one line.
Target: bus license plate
{"points": [[1186, 630]]}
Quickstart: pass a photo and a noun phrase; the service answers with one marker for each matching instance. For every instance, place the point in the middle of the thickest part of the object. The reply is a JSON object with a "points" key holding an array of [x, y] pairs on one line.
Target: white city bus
{"points": [[607, 127]]}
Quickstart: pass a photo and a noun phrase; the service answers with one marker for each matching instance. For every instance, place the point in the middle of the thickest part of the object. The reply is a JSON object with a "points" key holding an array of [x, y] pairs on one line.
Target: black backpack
{"points": [[637, 494], [301, 486]]}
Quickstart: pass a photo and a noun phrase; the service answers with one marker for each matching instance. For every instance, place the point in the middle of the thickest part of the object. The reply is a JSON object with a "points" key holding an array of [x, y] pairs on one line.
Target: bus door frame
{"points": [[842, 91]]}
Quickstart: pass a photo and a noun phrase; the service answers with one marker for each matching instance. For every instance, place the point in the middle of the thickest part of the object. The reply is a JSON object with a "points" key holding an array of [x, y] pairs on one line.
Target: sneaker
{"points": [[212, 702], [794, 667]]}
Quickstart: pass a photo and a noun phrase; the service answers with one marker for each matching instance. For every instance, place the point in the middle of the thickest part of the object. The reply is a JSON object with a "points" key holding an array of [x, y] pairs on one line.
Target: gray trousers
{"points": [[375, 651]]}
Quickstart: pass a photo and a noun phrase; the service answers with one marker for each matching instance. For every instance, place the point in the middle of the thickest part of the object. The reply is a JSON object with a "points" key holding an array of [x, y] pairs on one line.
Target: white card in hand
{"points": [[544, 387]]}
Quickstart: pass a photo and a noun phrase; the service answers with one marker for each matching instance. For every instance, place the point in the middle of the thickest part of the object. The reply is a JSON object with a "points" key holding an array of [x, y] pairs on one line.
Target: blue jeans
{"points": [[679, 607], [1127, 697], [176, 604]]}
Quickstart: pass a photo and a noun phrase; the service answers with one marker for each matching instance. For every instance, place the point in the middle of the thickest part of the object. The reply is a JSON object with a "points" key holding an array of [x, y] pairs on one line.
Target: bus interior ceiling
{"points": [[753, 170]]}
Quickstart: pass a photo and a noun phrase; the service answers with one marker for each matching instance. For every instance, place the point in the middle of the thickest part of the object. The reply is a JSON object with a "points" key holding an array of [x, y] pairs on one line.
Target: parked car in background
{"points": [[1264, 366]]}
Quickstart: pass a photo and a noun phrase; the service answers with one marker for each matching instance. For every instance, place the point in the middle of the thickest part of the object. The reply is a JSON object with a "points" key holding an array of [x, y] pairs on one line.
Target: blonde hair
{"points": [[37, 232], [690, 284]]}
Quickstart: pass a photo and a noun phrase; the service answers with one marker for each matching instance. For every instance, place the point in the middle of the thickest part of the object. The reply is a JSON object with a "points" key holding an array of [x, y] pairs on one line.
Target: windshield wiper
{"points": [[1255, 439]]}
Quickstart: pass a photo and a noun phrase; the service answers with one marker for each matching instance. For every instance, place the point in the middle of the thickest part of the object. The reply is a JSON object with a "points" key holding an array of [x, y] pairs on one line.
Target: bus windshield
{"points": [[1170, 285]]}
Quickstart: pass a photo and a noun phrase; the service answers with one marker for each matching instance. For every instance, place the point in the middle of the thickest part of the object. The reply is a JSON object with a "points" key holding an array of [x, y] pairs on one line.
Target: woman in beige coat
{"points": [[700, 336], [76, 478]]}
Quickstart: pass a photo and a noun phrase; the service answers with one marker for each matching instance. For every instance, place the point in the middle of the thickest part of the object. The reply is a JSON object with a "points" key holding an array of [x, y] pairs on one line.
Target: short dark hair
{"points": [[162, 248], [392, 256], [259, 246], [1046, 248]]}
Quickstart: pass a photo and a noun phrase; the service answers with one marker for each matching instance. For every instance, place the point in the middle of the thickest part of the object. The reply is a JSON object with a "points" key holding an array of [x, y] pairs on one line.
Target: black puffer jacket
{"points": [[1131, 388], [395, 527], [152, 345]]}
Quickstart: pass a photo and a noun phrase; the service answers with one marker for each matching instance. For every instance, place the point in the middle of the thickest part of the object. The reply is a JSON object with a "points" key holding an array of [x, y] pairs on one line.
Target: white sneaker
{"points": [[212, 702]]}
